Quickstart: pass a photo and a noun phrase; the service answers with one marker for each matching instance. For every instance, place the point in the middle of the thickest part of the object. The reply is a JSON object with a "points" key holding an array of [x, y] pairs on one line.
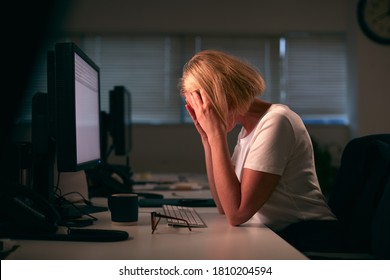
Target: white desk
{"points": [[218, 241]]}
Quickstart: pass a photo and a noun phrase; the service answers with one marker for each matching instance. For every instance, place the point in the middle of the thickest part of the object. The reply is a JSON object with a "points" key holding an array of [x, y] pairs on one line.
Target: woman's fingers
{"points": [[194, 119], [197, 98], [191, 112]]}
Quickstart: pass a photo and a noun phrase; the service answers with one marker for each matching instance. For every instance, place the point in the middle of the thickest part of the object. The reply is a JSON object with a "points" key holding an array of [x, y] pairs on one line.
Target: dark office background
{"points": [[368, 62], [26, 27]]}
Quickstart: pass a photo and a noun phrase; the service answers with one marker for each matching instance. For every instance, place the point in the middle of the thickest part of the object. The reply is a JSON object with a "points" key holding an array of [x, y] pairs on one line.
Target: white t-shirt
{"points": [[281, 145]]}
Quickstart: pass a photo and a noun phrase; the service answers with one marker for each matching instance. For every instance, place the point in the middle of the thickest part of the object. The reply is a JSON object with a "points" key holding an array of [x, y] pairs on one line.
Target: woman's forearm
{"points": [[210, 175], [226, 184]]}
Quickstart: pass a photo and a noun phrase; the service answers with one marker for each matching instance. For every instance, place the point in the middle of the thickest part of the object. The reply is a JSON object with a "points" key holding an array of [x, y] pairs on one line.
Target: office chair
{"points": [[360, 200], [381, 226]]}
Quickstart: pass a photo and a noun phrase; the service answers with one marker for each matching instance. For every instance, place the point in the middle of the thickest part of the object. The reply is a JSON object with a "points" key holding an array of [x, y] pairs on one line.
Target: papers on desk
{"points": [[179, 186]]}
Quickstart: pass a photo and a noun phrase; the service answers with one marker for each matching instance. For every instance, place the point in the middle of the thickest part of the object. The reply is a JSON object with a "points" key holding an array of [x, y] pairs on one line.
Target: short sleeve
{"points": [[272, 144]]}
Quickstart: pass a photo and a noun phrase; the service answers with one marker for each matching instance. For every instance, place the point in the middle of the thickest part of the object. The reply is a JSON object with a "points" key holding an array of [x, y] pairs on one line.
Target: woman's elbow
{"points": [[234, 224], [236, 220]]}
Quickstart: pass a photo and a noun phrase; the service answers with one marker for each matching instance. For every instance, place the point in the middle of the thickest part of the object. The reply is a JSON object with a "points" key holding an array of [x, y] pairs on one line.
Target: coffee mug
{"points": [[123, 208]]}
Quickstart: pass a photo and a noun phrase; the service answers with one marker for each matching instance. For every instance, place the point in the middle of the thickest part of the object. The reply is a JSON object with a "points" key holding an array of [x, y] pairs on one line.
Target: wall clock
{"points": [[374, 19]]}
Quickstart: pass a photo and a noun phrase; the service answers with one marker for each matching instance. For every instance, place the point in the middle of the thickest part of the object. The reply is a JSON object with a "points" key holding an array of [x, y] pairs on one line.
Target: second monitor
{"points": [[117, 123], [120, 116]]}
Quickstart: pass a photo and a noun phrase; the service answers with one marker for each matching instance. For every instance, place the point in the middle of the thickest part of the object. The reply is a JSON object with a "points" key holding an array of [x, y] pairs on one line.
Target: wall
{"points": [[170, 148], [226, 16], [178, 147], [372, 87]]}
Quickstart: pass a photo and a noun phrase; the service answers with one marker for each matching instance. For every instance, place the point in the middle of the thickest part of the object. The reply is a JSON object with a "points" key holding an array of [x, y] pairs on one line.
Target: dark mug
{"points": [[123, 208]]}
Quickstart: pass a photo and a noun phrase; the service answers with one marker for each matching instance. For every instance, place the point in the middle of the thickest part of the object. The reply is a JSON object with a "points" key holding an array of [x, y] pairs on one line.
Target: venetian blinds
{"points": [[307, 73]]}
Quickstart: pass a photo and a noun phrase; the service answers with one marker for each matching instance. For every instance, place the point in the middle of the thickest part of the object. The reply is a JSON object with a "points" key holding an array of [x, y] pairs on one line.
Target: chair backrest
{"points": [[358, 188], [381, 226]]}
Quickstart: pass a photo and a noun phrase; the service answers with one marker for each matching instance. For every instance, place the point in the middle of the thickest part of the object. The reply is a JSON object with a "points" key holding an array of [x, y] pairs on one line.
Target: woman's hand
{"points": [[191, 111], [204, 115]]}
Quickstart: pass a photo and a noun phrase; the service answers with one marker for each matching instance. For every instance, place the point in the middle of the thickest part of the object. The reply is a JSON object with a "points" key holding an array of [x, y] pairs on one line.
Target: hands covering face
{"points": [[205, 118]]}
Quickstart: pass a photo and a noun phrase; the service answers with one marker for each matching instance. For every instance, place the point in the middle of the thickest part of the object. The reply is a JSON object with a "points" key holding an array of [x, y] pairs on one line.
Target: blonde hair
{"points": [[230, 83]]}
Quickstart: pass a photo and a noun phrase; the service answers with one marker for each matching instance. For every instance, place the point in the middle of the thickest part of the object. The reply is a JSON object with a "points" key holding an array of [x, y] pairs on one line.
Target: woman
{"points": [[271, 173]]}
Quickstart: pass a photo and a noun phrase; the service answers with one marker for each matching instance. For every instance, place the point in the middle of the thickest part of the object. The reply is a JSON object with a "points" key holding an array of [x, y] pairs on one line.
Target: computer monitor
{"points": [[117, 124], [120, 120], [66, 120], [78, 109]]}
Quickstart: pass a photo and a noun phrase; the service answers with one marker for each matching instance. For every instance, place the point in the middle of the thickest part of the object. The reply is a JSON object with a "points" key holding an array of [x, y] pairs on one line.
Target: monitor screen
{"points": [[77, 91]]}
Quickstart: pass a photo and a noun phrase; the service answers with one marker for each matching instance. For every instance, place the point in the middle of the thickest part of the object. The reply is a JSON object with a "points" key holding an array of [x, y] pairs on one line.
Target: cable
{"points": [[61, 199]]}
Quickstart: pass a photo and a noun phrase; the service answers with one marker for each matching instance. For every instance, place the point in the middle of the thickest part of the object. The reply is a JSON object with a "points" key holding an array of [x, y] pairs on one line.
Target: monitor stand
{"points": [[72, 183], [74, 189]]}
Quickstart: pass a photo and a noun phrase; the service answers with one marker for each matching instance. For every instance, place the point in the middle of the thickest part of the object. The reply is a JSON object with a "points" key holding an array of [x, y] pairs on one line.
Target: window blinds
{"points": [[307, 73], [315, 73]]}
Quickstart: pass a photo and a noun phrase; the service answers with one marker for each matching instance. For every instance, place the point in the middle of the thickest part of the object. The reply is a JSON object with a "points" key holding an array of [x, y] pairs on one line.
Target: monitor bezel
{"points": [[66, 112]]}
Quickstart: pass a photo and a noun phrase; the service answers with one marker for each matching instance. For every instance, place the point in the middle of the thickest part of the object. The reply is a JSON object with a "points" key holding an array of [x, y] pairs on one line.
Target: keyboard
{"points": [[189, 202], [183, 212]]}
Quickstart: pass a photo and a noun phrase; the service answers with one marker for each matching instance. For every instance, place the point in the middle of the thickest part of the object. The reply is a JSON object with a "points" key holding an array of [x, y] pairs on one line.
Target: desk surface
{"points": [[218, 241]]}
